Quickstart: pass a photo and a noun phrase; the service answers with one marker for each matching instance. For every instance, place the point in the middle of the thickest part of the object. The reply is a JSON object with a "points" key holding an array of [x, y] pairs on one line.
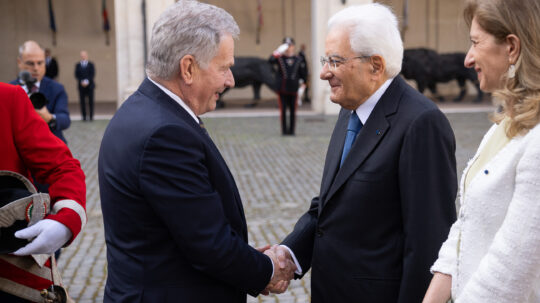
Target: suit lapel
{"points": [[333, 155], [368, 138], [43, 85], [366, 141], [233, 186]]}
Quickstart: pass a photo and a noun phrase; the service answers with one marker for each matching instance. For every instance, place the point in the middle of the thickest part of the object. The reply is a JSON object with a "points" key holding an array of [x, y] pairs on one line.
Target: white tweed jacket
{"points": [[493, 249]]}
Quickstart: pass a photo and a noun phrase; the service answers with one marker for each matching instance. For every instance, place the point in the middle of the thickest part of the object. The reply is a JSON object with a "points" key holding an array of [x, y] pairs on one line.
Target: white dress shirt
{"points": [[177, 99], [23, 85]]}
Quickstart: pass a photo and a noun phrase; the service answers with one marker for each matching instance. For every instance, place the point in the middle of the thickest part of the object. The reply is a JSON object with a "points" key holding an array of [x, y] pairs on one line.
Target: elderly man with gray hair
{"points": [[174, 223], [387, 194]]}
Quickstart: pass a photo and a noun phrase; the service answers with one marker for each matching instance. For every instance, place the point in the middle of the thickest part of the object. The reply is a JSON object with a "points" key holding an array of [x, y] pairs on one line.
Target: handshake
{"points": [[284, 268]]}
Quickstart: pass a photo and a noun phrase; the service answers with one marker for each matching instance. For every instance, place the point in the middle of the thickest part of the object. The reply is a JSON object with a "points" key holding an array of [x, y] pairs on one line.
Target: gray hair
{"points": [[373, 31], [187, 28]]}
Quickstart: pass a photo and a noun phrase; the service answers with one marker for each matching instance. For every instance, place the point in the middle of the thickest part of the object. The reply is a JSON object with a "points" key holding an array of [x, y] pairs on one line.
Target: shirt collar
{"points": [[365, 109], [23, 85], [177, 99]]}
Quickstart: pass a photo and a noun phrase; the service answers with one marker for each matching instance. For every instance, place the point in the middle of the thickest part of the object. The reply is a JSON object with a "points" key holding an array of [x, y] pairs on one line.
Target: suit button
{"points": [[319, 233]]}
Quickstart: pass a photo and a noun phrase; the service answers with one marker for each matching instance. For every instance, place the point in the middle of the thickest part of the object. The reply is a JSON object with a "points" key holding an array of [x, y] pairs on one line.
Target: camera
{"points": [[38, 99]]}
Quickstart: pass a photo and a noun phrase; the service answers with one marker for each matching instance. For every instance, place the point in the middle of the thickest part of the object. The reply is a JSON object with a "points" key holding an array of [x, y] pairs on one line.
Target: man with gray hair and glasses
{"points": [[174, 223], [387, 194]]}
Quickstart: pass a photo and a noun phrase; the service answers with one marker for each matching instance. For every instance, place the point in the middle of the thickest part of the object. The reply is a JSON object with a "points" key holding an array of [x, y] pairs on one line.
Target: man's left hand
{"points": [[48, 236], [44, 113]]}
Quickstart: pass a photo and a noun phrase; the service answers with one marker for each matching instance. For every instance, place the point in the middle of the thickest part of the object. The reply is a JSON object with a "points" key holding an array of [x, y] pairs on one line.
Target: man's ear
{"points": [[378, 65], [188, 69], [514, 48]]}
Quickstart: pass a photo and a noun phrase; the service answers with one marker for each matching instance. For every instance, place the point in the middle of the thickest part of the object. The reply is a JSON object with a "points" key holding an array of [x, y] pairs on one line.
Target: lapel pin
{"points": [[379, 132]]}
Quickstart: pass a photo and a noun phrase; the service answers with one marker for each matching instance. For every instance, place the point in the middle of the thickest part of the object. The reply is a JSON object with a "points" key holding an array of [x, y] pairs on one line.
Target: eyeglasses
{"points": [[335, 61]]}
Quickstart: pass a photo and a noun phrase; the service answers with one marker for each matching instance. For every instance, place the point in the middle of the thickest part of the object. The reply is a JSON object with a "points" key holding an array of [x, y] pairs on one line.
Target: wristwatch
{"points": [[52, 122]]}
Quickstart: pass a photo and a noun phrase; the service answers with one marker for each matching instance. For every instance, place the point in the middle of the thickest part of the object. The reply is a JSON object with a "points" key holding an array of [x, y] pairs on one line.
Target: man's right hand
{"points": [[284, 269]]}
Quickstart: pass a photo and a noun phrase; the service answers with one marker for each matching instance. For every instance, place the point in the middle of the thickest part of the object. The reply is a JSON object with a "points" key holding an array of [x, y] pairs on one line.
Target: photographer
{"points": [[31, 60]]}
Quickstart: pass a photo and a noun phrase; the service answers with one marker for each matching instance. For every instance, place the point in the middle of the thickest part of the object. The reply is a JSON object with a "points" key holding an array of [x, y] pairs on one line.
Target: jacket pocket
{"points": [[368, 176]]}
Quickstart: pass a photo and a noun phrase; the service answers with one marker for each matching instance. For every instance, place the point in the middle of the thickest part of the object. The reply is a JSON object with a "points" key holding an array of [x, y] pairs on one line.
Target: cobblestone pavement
{"points": [[277, 177]]}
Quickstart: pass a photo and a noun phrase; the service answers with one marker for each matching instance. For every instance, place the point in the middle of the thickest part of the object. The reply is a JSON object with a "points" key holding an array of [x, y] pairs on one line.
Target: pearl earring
{"points": [[511, 71]]}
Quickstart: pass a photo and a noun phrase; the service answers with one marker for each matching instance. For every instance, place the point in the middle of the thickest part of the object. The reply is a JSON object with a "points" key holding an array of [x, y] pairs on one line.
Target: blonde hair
{"points": [[521, 94]]}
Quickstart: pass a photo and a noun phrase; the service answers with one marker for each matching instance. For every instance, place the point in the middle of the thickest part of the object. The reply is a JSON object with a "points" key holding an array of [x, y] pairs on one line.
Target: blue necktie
{"points": [[352, 130]]}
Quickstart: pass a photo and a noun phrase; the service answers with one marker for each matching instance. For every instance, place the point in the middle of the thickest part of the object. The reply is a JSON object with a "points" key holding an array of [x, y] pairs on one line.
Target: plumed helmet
{"points": [[20, 206], [288, 40]]}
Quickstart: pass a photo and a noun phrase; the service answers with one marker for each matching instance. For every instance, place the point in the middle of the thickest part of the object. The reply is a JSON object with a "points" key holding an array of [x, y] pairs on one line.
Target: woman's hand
{"points": [[439, 289]]}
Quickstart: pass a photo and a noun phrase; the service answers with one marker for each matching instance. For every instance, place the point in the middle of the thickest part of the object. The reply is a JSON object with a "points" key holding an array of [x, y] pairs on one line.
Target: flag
{"points": [[52, 23], [106, 26], [259, 21], [405, 22]]}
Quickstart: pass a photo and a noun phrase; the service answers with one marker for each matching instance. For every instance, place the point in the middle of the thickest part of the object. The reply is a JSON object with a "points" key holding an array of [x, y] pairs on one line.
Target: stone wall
{"points": [[79, 27]]}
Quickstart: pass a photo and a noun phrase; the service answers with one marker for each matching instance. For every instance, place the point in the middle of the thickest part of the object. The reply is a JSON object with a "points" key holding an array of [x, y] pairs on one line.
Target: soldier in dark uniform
{"points": [[291, 73]]}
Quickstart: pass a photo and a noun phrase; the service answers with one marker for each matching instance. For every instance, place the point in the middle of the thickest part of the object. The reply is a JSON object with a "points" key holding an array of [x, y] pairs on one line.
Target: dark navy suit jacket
{"points": [[85, 73], [174, 223], [57, 105], [378, 223]]}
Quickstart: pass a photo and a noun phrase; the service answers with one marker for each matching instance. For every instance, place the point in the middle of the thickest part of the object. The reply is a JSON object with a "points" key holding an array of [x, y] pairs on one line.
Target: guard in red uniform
{"points": [[29, 148]]}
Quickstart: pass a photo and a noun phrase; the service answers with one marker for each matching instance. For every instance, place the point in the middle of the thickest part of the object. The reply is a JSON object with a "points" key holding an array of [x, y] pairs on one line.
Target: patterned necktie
{"points": [[352, 130], [201, 124]]}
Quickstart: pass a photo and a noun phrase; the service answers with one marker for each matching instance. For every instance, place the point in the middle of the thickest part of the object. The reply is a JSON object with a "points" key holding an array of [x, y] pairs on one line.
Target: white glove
{"points": [[282, 48], [49, 236]]}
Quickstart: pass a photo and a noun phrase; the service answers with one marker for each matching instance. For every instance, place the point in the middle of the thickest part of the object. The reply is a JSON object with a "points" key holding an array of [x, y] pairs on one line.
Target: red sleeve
{"points": [[50, 162]]}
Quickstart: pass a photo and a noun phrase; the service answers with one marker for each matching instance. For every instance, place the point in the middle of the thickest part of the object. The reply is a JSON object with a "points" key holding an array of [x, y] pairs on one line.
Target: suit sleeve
{"points": [[54, 68], [92, 72], [50, 162], [174, 178], [446, 262], [61, 108], [301, 239], [428, 185], [303, 72]]}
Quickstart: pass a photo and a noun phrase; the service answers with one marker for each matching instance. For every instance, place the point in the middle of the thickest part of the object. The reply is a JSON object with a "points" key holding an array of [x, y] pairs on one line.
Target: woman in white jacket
{"points": [[493, 250]]}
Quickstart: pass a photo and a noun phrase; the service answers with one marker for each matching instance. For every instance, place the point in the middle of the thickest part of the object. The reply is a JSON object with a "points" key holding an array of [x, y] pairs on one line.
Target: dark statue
{"points": [[428, 68], [251, 71]]}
